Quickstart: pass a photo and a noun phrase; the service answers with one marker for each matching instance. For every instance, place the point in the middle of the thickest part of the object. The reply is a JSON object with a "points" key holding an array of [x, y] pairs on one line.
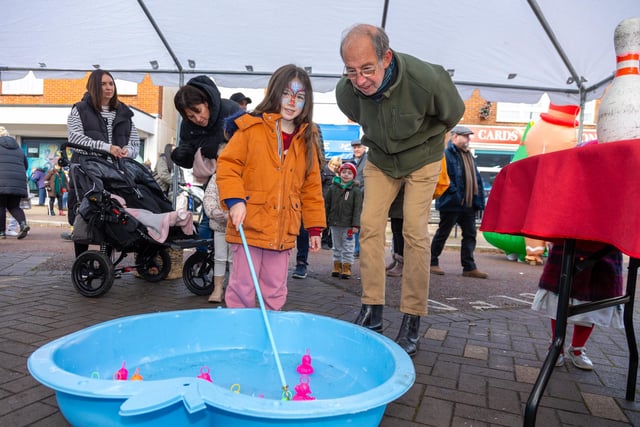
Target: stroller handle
{"points": [[64, 158]]}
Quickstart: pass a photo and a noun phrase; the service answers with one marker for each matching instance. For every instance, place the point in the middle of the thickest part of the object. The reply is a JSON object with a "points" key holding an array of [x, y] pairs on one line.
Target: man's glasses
{"points": [[368, 71]]}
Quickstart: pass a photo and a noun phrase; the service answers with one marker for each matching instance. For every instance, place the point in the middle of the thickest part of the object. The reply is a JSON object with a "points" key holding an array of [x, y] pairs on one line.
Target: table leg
{"points": [[566, 280], [634, 264]]}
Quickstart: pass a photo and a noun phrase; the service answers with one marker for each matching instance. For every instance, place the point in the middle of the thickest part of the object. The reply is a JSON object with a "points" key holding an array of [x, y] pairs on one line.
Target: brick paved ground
{"points": [[476, 368]]}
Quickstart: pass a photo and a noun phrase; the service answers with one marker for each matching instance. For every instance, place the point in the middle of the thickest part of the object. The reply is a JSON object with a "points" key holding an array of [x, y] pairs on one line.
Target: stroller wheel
{"points": [[154, 267], [92, 274], [197, 273]]}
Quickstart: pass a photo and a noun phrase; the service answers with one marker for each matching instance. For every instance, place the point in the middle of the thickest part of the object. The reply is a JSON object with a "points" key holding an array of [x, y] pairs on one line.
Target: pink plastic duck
{"points": [[122, 373], [305, 367], [303, 390], [204, 374]]}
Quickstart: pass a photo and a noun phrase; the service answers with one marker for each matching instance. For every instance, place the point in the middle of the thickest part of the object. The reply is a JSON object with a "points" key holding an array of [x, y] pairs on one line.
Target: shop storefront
{"points": [[41, 153], [494, 147], [44, 152], [337, 139]]}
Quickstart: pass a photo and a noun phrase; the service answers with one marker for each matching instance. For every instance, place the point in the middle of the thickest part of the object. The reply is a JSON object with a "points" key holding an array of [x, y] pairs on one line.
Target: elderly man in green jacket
{"points": [[405, 107]]}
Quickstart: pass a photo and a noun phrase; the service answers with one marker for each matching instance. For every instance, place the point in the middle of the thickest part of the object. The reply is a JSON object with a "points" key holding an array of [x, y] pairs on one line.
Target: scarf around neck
{"points": [[389, 78], [344, 186], [470, 181]]}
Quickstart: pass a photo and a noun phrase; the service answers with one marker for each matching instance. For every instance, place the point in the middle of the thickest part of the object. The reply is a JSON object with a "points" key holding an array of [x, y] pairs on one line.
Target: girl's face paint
{"points": [[293, 99]]}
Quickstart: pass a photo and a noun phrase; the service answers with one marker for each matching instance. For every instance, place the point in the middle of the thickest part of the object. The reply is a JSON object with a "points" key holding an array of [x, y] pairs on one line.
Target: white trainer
{"points": [[560, 361], [580, 360]]}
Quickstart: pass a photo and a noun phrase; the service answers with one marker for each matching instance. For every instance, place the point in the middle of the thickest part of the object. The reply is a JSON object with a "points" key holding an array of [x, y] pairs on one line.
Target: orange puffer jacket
{"points": [[279, 194]]}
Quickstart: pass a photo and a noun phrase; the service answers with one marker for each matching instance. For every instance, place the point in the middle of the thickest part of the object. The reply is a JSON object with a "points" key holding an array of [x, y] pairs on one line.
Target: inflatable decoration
{"points": [[555, 131]]}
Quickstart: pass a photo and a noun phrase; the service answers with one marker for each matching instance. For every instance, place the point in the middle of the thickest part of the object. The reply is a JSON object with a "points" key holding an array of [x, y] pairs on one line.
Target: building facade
{"points": [[35, 112]]}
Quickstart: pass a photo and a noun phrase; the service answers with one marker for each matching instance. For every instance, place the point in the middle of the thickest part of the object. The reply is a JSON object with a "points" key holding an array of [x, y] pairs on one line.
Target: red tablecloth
{"points": [[585, 193]]}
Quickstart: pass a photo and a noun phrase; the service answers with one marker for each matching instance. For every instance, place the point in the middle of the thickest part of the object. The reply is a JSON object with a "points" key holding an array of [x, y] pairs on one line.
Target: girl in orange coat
{"points": [[269, 178]]}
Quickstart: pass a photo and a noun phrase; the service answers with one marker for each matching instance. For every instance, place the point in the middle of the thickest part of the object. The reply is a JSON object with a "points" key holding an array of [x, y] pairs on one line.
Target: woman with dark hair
{"points": [[203, 112], [101, 123], [269, 178]]}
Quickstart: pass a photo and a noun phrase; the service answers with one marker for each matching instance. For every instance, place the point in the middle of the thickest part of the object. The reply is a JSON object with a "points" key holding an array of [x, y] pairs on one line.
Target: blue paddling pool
{"points": [[356, 372]]}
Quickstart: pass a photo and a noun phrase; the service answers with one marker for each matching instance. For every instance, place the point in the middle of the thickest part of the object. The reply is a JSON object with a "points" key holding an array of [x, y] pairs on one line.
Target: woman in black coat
{"points": [[13, 176], [203, 112]]}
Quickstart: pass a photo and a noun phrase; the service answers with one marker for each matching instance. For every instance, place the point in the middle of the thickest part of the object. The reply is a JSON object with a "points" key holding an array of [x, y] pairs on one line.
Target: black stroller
{"points": [[102, 220]]}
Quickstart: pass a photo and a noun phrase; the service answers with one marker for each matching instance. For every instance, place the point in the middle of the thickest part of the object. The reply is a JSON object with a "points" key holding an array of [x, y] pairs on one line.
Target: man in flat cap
{"points": [[460, 203], [359, 159]]}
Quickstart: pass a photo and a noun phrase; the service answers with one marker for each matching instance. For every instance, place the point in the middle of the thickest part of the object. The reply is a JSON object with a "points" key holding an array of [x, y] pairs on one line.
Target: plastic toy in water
{"points": [[286, 393], [303, 390], [122, 373], [235, 388], [204, 374], [136, 375], [305, 367]]}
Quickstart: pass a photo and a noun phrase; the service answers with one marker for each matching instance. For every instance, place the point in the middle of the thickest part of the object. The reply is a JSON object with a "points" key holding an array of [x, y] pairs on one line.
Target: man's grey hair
{"points": [[378, 37]]}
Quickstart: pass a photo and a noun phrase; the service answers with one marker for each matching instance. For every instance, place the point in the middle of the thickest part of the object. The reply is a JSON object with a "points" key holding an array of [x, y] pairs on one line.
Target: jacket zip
{"points": [[278, 245]]}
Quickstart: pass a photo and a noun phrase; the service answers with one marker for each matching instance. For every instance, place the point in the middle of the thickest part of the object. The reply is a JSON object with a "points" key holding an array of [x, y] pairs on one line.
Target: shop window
{"points": [[517, 112], [489, 165], [141, 158], [42, 152], [512, 112]]}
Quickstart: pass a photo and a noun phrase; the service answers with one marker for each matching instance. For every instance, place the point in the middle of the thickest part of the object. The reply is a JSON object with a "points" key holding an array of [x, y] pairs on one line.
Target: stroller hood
{"points": [[126, 178]]}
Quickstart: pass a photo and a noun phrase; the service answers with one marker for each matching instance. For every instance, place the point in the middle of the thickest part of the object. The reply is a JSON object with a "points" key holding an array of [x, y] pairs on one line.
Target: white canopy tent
{"points": [[511, 50]]}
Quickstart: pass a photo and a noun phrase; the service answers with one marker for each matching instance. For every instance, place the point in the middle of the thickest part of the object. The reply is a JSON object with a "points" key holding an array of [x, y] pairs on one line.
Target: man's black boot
{"points": [[370, 317], [408, 336]]}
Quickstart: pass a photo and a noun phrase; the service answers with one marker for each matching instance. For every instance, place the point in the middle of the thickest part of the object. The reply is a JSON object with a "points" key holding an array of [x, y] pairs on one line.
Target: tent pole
{"points": [[553, 39], [385, 10], [583, 101], [176, 168], [160, 35], [181, 71]]}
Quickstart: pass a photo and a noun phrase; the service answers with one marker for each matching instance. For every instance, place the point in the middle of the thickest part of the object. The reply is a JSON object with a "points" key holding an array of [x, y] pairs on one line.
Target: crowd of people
{"points": [[269, 189]]}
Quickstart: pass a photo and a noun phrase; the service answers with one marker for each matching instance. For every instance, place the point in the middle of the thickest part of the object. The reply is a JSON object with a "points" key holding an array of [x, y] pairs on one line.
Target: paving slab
{"points": [[475, 367]]}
